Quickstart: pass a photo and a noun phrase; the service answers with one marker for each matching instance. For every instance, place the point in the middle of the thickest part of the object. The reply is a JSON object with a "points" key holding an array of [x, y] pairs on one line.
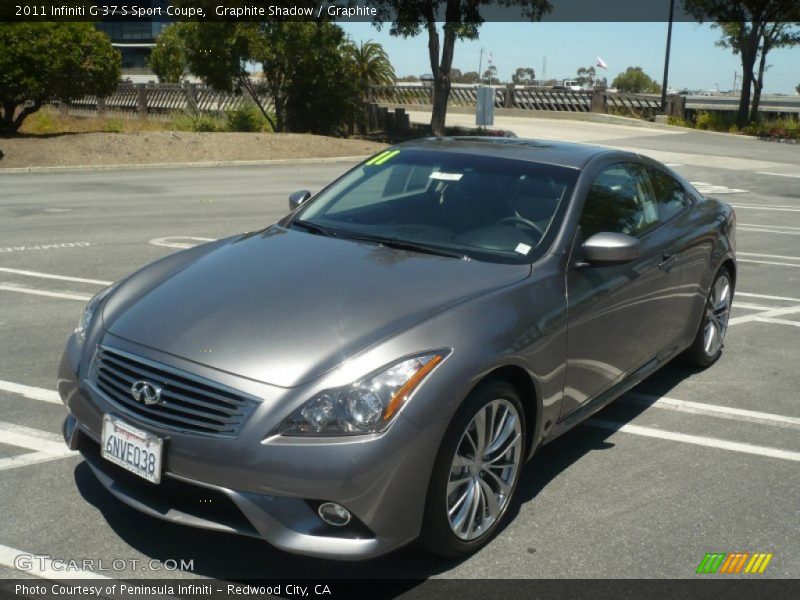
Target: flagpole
{"points": [[665, 81]]}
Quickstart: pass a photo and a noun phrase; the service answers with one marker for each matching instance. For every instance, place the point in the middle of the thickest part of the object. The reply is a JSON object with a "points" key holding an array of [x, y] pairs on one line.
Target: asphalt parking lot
{"points": [[690, 463]]}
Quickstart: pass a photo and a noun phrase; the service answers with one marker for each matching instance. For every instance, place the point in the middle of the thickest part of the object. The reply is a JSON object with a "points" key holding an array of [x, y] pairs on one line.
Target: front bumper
{"points": [[266, 488]]}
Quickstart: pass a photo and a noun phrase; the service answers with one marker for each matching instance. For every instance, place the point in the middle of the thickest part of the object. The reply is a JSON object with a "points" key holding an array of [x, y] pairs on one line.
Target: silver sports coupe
{"points": [[377, 367]]}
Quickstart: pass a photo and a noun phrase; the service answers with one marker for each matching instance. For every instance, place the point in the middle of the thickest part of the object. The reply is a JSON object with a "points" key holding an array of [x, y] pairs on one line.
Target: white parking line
{"points": [[713, 410], [766, 297], [35, 292], [777, 174], [171, 242], [768, 314], [748, 306], [32, 439], [51, 276], [697, 440], [797, 258], [782, 229], [709, 188], [756, 207], [777, 321], [781, 259], [47, 446], [34, 393], [42, 566], [768, 262]]}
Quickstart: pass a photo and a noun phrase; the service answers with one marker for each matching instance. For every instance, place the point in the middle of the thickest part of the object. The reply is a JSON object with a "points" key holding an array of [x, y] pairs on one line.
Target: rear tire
{"points": [[710, 339], [476, 472]]}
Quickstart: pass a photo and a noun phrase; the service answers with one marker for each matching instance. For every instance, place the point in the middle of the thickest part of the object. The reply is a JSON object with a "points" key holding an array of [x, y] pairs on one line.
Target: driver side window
{"points": [[619, 201]]}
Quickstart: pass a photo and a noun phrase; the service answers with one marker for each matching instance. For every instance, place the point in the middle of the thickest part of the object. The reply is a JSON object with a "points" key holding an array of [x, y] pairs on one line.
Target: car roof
{"points": [[564, 154]]}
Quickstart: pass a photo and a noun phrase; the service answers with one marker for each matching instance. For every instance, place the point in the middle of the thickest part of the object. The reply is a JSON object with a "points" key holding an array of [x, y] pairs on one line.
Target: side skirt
{"points": [[614, 392]]}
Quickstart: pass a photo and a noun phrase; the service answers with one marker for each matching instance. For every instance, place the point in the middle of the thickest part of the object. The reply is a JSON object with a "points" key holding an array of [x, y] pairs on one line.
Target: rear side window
{"points": [[619, 201], [671, 197]]}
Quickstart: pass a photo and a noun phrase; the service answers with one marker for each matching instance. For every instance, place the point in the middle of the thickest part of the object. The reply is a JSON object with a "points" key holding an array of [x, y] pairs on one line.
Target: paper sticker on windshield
{"points": [[446, 176], [522, 249]]}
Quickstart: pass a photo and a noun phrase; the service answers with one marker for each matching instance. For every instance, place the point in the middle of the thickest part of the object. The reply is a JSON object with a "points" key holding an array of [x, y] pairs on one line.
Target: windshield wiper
{"points": [[313, 228], [399, 244]]}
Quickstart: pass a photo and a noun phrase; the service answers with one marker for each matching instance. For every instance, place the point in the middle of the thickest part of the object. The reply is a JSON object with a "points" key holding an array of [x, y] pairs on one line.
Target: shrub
{"points": [[248, 118], [678, 121], [784, 127], [714, 120], [197, 123]]}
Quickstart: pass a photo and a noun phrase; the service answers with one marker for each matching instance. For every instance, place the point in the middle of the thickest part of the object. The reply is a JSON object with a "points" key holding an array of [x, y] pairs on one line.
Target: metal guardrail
{"points": [[163, 99], [160, 100], [530, 98]]}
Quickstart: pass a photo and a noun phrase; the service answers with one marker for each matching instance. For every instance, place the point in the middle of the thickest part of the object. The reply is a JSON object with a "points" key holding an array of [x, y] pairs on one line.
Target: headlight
{"points": [[89, 312], [366, 406]]}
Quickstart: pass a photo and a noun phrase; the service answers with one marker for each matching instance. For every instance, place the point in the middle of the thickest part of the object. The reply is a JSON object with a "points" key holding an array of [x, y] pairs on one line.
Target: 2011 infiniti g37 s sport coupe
{"points": [[378, 366]]}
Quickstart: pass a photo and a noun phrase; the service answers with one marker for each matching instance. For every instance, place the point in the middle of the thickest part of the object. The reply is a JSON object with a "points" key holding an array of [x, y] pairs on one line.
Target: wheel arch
{"points": [[524, 384], [730, 265]]}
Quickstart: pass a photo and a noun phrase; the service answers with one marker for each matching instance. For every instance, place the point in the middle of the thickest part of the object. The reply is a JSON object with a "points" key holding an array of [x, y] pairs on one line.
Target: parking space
{"points": [[690, 462]]}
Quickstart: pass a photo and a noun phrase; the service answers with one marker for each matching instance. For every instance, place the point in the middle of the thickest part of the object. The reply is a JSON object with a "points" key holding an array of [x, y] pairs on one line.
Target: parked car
{"points": [[378, 366]]}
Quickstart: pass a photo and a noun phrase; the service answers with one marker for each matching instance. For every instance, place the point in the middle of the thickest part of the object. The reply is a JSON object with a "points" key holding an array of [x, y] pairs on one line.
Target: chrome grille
{"points": [[190, 403]]}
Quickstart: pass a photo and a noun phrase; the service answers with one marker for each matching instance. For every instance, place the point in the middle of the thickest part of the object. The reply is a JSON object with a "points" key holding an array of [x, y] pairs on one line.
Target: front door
{"points": [[619, 314]]}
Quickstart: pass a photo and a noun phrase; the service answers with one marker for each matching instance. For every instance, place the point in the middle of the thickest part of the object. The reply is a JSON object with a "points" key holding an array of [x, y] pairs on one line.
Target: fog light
{"points": [[334, 514]]}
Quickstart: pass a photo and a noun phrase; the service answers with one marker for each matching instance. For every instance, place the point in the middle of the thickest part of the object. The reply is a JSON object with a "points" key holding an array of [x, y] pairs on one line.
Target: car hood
{"points": [[283, 306]]}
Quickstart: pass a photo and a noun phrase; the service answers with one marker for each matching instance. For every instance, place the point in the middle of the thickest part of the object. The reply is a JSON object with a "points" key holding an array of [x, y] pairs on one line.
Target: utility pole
{"points": [[665, 81], [480, 64]]}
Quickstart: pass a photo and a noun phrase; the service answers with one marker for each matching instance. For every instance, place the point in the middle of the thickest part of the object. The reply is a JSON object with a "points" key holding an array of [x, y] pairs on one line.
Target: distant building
{"points": [[134, 39]]}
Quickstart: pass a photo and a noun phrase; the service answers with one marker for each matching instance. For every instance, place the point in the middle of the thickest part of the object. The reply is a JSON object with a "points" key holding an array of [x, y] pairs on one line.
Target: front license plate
{"points": [[132, 449]]}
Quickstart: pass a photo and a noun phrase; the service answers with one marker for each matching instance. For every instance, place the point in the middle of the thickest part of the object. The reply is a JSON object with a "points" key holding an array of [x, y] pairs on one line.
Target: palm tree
{"points": [[372, 66]]}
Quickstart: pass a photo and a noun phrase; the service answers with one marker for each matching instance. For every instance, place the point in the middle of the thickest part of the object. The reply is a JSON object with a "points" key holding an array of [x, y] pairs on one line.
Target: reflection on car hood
{"points": [[283, 306]]}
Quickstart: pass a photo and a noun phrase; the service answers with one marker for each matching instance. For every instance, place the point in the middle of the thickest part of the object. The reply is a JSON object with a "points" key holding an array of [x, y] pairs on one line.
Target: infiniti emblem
{"points": [[146, 392]]}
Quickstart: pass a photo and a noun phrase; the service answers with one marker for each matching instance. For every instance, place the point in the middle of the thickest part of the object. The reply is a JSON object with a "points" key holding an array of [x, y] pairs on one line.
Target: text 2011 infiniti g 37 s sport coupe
{"points": [[378, 366]]}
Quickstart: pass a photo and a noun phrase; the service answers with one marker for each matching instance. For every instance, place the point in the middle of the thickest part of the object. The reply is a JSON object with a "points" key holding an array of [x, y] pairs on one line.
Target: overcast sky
{"points": [[696, 62]]}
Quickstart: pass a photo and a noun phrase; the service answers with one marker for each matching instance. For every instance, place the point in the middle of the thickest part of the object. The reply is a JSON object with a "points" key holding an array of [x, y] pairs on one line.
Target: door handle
{"points": [[667, 259]]}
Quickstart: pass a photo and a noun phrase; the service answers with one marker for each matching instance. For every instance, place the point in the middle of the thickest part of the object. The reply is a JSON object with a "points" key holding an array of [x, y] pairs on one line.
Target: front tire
{"points": [[476, 471], [710, 338]]}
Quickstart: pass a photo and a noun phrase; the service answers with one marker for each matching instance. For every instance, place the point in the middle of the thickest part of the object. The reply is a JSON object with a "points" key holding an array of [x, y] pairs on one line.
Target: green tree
{"points": [[523, 75], [43, 62], [459, 19], [797, 88], [750, 28], [586, 76], [456, 76], [168, 58], [323, 84], [372, 66], [635, 81], [305, 67], [490, 75]]}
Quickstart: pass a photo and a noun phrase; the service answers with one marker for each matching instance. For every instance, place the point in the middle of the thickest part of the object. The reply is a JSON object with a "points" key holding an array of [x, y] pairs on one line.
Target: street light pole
{"points": [[666, 57]]}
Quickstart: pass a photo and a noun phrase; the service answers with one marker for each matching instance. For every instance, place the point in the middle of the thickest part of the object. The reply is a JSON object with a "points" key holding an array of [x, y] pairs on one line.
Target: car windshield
{"points": [[486, 208]]}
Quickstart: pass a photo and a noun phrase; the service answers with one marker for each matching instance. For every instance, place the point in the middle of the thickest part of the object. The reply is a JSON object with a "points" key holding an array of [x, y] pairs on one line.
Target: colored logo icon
{"points": [[732, 563]]}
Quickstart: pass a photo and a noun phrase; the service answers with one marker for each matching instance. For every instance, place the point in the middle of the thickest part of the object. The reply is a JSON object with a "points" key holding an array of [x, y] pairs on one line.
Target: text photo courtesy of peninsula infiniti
{"points": [[376, 368]]}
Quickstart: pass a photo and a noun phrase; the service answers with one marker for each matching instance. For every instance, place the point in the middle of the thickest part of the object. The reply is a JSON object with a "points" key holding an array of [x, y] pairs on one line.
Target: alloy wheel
{"points": [[718, 308], [484, 469]]}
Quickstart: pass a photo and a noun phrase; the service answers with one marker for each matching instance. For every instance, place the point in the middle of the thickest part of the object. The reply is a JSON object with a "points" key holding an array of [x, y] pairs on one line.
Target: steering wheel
{"points": [[517, 220]]}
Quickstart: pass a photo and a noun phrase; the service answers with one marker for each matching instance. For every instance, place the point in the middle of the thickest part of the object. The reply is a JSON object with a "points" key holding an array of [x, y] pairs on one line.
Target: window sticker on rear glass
{"points": [[446, 176]]}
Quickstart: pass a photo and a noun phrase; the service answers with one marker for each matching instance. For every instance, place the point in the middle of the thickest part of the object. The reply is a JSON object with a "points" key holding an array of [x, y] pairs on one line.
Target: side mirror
{"points": [[297, 198], [607, 247]]}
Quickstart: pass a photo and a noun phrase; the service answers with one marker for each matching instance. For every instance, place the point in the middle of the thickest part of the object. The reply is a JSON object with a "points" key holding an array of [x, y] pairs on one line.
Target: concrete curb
{"points": [[184, 165]]}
